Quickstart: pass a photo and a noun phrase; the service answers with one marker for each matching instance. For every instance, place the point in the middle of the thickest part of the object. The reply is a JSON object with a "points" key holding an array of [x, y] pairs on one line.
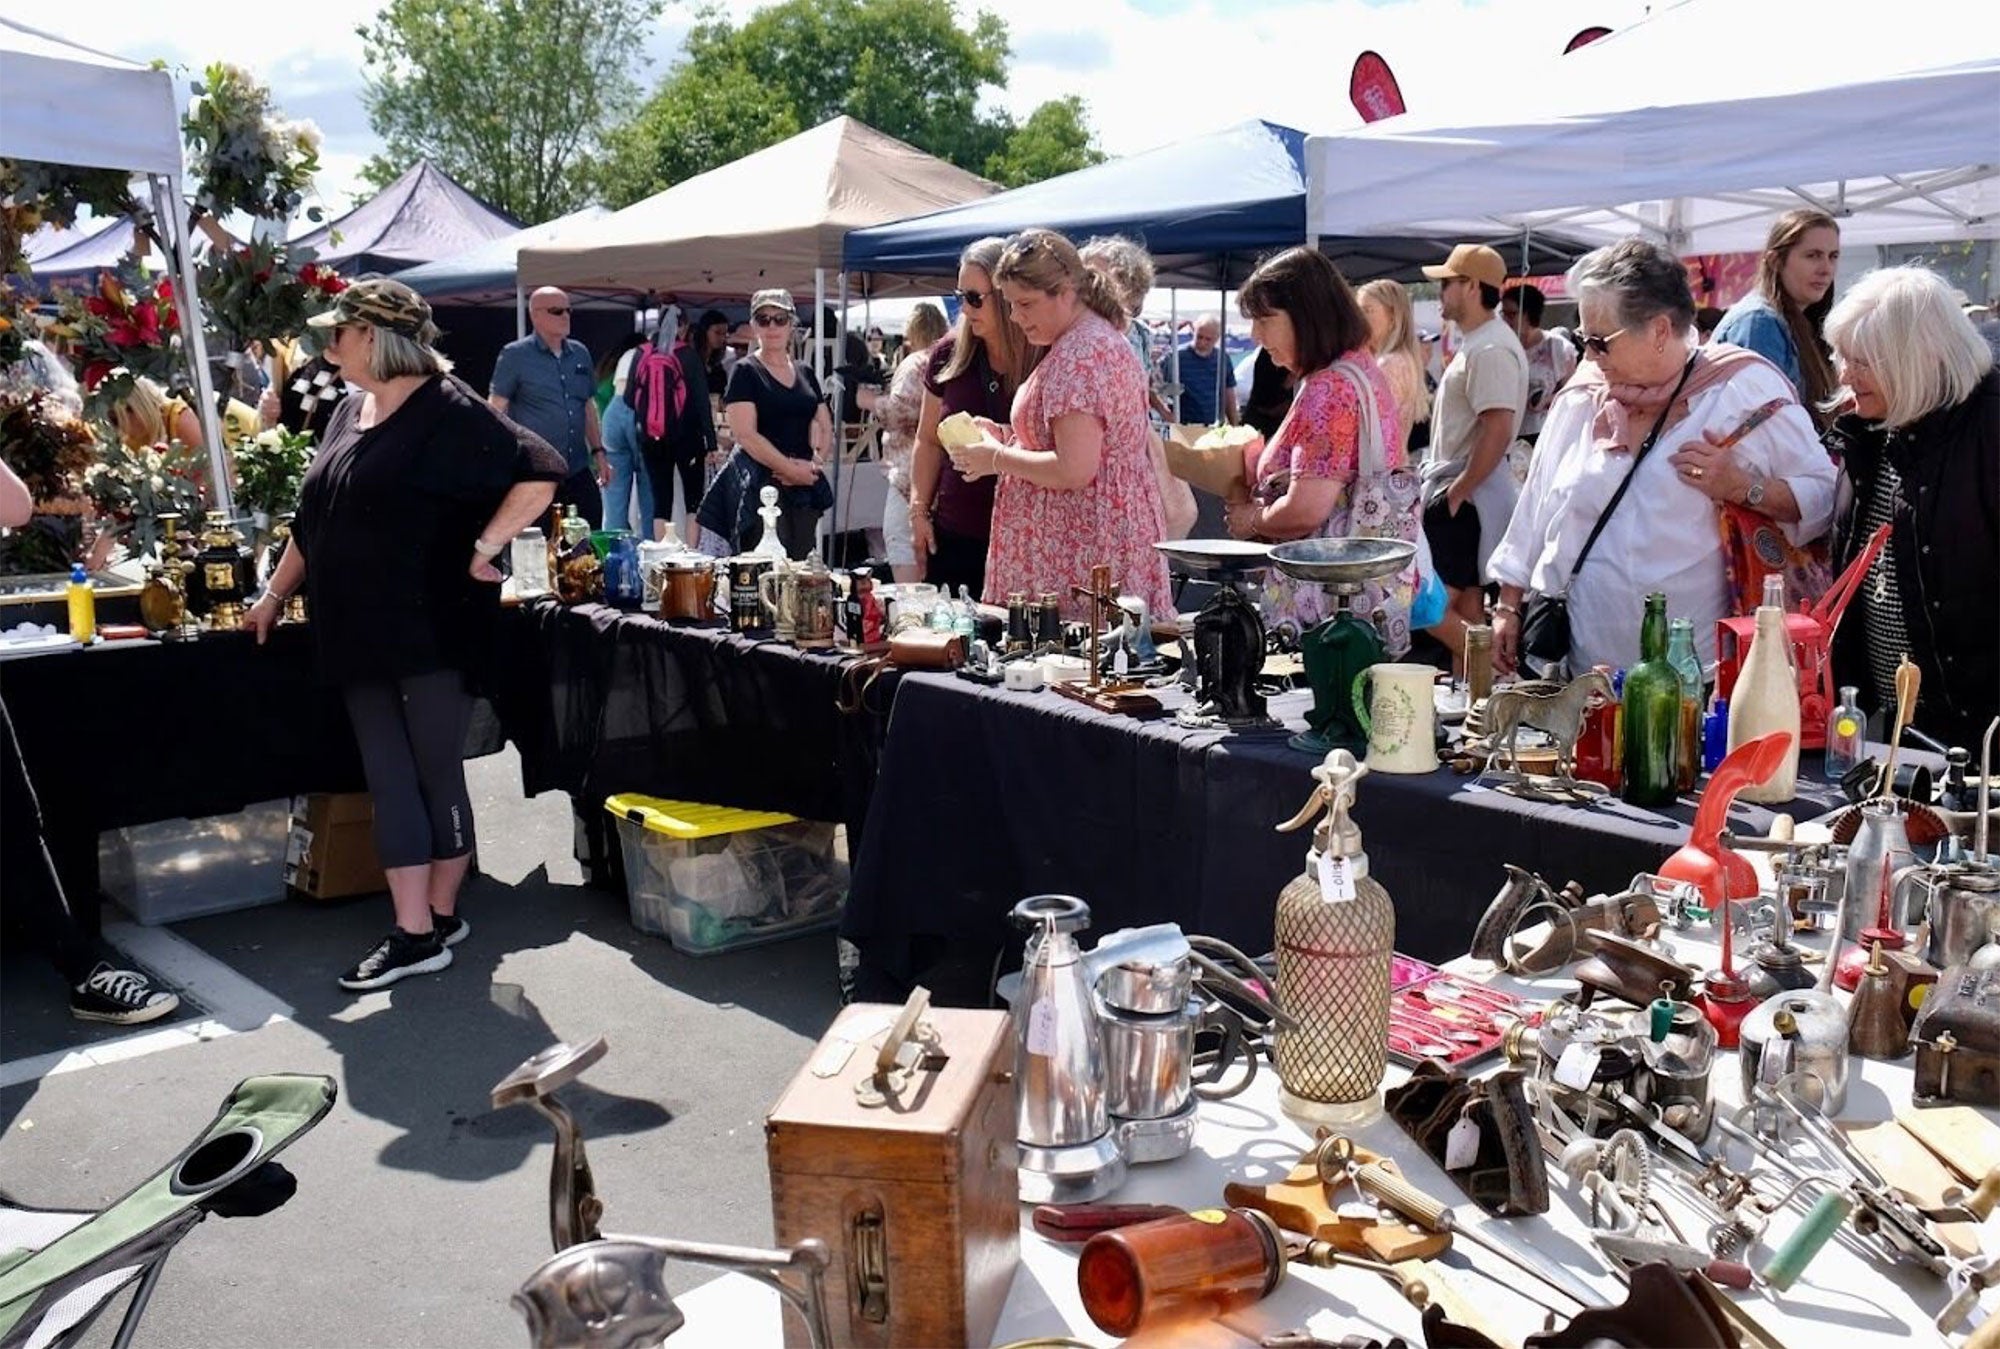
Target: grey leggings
{"points": [[412, 737]]}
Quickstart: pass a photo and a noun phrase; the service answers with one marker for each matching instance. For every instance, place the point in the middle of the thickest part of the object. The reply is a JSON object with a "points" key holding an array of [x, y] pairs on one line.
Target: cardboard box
{"points": [[331, 851]]}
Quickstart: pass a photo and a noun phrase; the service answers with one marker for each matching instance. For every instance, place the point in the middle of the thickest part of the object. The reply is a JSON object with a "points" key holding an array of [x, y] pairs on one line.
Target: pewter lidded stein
{"points": [[1068, 1153], [1336, 932]]}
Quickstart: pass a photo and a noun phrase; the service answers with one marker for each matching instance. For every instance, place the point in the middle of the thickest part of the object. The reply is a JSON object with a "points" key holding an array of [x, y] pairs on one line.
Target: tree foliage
{"points": [[507, 96], [905, 67]]}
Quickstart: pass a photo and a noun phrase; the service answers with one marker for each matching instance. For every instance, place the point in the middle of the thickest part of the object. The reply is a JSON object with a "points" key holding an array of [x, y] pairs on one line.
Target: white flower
{"points": [[306, 136], [159, 483], [270, 439]]}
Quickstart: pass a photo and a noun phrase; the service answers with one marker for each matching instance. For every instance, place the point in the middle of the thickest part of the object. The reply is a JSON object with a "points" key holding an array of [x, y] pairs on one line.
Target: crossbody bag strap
{"points": [[1652, 439]]}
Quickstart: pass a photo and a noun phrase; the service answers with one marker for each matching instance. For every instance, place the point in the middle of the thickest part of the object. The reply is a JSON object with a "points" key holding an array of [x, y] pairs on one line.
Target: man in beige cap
{"points": [[1468, 490]]}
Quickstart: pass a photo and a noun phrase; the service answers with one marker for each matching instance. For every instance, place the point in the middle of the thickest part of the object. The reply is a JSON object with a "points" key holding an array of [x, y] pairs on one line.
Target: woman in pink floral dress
{"points": [[1076, 486], [1336, 465]]}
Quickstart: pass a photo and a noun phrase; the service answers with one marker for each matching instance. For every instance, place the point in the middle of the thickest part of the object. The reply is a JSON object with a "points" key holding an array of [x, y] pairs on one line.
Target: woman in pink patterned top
{"points": [[1308, 481], [1076, 487]]}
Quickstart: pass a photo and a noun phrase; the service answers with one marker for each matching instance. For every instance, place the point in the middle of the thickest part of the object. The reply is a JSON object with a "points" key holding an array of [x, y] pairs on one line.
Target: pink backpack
{"points": [[657, 392]]}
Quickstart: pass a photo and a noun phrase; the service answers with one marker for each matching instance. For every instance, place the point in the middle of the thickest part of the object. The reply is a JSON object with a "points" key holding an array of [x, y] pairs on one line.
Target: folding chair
{"points": [[59, 1270]]}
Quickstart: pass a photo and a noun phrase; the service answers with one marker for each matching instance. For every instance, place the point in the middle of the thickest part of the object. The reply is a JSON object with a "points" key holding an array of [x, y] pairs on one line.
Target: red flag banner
{"points": [[1372, 89], [1585, 37]]}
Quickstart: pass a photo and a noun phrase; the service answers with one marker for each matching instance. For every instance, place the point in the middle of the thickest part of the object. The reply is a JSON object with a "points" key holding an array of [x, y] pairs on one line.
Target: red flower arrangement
{"points": [[120, 333]]}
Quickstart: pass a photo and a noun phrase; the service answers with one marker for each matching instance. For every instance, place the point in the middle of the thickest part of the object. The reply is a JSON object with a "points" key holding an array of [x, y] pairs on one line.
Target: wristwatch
{"points": [[1755, 496]]}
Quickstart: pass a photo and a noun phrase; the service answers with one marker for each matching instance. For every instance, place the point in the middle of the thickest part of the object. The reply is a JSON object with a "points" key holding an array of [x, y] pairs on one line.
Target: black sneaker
{"points": [[122, 997], [397, 956], [450, 928]]}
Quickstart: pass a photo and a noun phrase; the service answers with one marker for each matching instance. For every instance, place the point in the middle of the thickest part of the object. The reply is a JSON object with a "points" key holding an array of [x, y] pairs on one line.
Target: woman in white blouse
{"points": [[1642, 372]]}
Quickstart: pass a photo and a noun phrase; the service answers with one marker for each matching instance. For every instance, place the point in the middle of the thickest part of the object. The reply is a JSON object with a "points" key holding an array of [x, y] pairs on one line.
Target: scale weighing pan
{"points": [[1217, 557], [1346, 561]]}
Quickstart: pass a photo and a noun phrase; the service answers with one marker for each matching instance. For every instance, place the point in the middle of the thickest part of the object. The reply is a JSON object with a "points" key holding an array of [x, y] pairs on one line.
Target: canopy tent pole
{"points": [[520, 309], [819, 326], [1222, 343], [839, 427], [194, 345], [1174, 344]]}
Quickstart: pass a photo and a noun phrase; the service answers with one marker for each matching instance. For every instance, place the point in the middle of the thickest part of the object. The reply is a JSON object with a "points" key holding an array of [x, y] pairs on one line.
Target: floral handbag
{"points": [[1383, 503], [1754, 546]]}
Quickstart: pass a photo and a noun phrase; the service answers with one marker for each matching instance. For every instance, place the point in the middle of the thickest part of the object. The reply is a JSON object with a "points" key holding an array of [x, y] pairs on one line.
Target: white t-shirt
{"points": [[1489, 371], [1551, 361], [1663, 536], [623, 374]]}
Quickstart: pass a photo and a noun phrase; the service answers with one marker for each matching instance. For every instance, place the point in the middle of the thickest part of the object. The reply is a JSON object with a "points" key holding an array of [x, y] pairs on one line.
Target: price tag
{"points": [[1777, 1061], [1042, 1028], [1121, 664], [1577, 1068], [1336, 876], [1461, 1145]]}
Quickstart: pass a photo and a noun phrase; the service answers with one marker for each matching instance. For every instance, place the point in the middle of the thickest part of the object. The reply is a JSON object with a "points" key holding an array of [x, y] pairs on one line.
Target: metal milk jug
{"points": [[1144, 979], [1336, 932], [1960, 900], [1068, 1153]]}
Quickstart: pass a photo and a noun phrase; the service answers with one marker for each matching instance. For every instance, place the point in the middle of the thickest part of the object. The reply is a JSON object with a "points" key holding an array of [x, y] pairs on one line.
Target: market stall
{"points": [[421, 217], [1888, 127]]}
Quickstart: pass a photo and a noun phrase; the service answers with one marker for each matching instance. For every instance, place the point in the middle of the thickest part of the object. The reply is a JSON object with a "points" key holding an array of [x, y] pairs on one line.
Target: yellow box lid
{"points": [[690, 819]]}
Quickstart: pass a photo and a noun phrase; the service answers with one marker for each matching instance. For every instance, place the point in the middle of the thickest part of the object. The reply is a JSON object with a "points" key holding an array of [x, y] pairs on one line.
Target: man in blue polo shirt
{"points": [[545, 382], [1203, 370]]}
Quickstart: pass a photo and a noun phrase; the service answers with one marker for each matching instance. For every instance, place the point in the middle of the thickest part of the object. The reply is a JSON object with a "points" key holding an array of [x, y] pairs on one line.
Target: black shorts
{"points": [[1454, 541]]}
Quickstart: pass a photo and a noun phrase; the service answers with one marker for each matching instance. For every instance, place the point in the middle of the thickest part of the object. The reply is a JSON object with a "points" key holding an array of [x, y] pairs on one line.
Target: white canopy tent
{"points": [[65, 104], [1697, 127]]}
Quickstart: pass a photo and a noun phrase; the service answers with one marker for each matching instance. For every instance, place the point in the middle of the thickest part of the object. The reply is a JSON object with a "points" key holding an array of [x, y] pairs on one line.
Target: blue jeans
{"points": [[628, 471]]}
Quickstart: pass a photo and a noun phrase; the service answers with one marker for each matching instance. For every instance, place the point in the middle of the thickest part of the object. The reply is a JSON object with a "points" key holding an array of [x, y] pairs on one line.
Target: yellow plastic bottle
{"points": [[82, 605]]}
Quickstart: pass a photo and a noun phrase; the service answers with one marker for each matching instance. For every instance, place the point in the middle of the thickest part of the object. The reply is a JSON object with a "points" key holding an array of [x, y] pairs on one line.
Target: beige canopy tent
{"points": [[773, 218]]}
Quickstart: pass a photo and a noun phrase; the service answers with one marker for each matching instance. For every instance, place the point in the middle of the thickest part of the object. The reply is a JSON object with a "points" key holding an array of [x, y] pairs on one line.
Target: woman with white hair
{"points": [[1919, 442], [417, 487]]}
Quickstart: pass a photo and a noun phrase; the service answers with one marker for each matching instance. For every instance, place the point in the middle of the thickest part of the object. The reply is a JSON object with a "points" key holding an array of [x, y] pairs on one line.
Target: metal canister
{"points": [[1803, 1032], [746, 596], [1049, 621], [1020, 630], [1478, 664]]}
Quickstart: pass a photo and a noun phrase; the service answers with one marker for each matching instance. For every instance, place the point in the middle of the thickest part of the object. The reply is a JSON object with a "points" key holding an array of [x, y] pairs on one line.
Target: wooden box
{"points": [[917, 1197]]}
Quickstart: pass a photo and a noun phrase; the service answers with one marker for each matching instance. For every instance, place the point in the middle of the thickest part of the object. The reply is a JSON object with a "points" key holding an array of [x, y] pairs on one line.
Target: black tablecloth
{"points": [[602, 702], [135, 733], [985, 797]]}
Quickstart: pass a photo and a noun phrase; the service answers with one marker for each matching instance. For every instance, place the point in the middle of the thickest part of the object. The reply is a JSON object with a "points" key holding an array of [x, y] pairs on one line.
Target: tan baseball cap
{"points": [[382, 302], [772, 299], [1475, 262]]}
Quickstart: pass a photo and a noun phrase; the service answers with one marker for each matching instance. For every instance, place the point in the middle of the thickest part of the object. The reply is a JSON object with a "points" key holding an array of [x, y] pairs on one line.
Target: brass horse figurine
{"points": [[1559, 712]]}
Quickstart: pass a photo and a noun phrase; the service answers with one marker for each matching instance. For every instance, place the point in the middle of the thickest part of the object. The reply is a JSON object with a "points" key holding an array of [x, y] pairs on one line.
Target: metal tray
{"points": [[1347, 561], [1216, 557]]}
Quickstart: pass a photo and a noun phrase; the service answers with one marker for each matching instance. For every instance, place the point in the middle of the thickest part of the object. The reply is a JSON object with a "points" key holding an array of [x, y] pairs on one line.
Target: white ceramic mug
{"points": [[1400, 717]]}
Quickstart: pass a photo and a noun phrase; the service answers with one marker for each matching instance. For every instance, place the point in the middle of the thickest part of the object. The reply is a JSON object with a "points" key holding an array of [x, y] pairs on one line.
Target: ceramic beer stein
{"points": [[1400, 717]]}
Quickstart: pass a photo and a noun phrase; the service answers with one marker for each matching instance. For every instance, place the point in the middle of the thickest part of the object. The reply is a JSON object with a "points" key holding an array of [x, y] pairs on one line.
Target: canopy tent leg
{"points": [[1222, 344], [819, 326], [180, 260], [1174, 343], [839, 429], [520, 310]]}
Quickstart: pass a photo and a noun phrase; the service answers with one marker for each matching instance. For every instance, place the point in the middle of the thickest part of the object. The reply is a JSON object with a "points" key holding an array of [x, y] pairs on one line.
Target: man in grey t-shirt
{"points": [[1468, 488]]}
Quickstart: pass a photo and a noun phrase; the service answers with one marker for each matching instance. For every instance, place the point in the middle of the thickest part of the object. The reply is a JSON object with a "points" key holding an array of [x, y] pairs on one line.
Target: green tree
{"points": [[1055, 139], [905, 67], [507, 96]]}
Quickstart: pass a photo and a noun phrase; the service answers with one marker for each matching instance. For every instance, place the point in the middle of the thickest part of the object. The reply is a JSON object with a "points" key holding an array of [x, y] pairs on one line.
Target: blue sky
{"points": [[1150, 71]]}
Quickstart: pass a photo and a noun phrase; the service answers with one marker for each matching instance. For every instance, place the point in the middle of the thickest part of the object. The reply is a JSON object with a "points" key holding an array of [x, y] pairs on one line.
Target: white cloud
{"points": [[1147, 77]]}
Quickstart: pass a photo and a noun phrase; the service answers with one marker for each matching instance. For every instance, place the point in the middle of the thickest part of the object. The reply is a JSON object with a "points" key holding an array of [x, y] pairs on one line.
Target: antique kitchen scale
{"points": [[1337, 651], [1221, 664]]}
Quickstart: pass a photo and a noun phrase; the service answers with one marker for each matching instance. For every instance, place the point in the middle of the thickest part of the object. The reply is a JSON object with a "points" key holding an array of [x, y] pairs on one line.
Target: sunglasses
{"points": [[772, 319], [1597, 346], [974, 299], [560, 311]]}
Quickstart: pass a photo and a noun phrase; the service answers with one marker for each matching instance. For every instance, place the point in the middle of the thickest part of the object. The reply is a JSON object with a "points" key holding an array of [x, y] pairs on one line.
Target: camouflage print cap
{"points": [[384, 303]]}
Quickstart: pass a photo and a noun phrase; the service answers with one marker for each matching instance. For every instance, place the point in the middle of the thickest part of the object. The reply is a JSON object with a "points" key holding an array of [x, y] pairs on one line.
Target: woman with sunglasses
{"points": [[782, 428], [1648, 405], [1076, 487], [975, 370]]}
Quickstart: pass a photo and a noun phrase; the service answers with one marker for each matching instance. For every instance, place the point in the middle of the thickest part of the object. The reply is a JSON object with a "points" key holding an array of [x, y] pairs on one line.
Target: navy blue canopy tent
{"points": [[1208, 209], [73, 257]]}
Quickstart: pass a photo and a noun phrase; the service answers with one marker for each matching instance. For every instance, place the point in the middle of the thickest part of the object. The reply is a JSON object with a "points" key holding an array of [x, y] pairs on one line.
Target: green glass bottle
{"points": [[1652, 714], [1681, 655]]}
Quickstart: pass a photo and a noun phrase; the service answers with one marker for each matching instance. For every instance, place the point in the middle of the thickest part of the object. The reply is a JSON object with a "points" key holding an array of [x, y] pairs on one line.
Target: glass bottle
{"points": [[1715, 735], [1597, 746], [531, 563], [1173, 1271], [965, 618], [1681, 655], [1766, 696], [575, 529], [1651, 720], [1846, 731]]}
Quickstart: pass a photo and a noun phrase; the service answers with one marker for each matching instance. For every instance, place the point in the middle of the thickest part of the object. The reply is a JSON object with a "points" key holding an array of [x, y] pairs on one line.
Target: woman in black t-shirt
{"points": [[782, 430], [416, 488]]}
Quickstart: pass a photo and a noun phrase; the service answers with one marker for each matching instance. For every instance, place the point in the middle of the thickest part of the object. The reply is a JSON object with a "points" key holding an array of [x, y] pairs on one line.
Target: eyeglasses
{"points": [[772, 319], [560, 311], [974, 299], [1597, 346]]}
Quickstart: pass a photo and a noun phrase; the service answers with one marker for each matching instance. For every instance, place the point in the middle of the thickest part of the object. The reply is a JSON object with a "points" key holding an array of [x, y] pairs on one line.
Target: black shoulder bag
{"points": [[1545, 637]]}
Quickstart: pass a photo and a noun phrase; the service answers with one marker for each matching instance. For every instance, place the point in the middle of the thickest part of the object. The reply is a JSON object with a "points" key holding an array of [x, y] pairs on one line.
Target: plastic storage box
{"points": [[715, 878], [176, 869]]}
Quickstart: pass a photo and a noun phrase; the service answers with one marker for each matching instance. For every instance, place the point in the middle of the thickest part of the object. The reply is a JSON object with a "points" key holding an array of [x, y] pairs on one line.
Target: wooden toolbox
{"points": [[895, 1145]]}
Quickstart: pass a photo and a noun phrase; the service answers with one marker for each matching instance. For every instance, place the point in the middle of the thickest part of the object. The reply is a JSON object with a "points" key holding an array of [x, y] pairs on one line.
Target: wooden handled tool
{"points": [[1908, 679]]}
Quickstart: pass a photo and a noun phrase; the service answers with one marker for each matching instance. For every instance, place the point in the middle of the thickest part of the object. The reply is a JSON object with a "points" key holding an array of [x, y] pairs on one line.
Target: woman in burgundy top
{"points": [[975, 369]]}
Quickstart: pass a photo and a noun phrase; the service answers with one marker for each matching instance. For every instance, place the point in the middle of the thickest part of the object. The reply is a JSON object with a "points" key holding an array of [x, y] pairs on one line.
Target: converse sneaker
{"points": [[122, 997], [397, 956], [450, 928]]}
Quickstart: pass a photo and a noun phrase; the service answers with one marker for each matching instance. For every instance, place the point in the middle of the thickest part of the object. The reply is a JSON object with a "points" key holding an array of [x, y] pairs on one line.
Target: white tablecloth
{"points": [[1845, 1300]]}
